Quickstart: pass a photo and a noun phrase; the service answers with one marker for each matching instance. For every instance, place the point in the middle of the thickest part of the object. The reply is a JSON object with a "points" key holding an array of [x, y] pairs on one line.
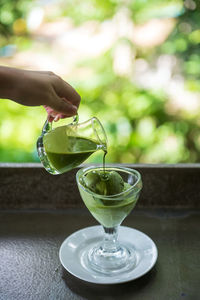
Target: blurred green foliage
{"points": [[10, 11], [141, 123]]}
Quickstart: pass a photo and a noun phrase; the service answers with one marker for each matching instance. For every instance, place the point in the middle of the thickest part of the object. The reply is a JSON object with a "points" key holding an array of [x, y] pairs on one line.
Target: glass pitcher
{"points": [[62, 148]]}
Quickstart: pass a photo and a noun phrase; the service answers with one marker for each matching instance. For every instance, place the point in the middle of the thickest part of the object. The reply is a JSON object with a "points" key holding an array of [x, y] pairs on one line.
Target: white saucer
{"points": [[73, 254]]}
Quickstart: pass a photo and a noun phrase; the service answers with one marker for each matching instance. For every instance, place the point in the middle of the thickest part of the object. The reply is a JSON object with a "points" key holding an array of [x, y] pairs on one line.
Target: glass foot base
{"points": [[112, 262]]}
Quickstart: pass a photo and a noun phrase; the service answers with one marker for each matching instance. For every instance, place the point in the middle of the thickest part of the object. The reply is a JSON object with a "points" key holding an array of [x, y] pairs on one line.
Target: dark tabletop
{"points": [[30, 267]]}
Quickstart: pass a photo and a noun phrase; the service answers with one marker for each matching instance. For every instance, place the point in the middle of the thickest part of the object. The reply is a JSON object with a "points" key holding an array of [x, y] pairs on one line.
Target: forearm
{"points": [[35, 88], [8, 82], [26, 87]]}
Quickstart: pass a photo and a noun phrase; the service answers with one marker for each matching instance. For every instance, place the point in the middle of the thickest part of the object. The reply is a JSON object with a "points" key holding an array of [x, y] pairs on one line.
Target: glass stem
{"points": [[110, 242]]}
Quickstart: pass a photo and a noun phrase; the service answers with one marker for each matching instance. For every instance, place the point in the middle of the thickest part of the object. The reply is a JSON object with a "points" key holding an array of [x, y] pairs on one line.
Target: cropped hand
{"points": [[35, 88]]}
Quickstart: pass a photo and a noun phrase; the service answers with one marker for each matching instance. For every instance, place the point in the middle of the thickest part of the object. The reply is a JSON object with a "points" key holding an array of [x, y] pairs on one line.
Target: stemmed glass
{"points": [[109, 256]]}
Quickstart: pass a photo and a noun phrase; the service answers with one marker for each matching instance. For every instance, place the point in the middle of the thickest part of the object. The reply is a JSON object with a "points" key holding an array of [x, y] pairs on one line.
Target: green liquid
{"points": [[65, 151], [109, 213], [63, 162]]}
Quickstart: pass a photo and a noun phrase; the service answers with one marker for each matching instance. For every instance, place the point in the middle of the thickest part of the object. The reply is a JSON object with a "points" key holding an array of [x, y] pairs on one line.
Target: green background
{"points": [[148, 100]]}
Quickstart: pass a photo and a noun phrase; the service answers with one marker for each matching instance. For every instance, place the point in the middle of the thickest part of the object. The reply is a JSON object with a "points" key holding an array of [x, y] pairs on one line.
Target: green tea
{"points": [[105, 201], [109, 213], [63, 162], [66, 151]]}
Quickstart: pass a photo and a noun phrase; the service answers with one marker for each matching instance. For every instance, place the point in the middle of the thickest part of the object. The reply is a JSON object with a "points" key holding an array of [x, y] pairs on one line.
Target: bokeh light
{"points": [[135, 64]]}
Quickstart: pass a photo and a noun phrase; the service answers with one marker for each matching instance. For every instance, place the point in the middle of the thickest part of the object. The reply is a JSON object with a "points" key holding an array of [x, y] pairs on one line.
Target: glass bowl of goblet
{"points": [[109, 256]]}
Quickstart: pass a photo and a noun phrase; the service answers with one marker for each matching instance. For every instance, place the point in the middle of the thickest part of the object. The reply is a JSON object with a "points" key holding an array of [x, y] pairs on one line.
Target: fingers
{"points": [[65, 90], [63, 106], [64, 100], [59, 109], [53, 115], [61, 87]]}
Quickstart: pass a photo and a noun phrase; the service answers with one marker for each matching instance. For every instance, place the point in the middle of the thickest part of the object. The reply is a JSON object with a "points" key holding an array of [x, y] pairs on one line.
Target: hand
{"points": [[34, 88]]}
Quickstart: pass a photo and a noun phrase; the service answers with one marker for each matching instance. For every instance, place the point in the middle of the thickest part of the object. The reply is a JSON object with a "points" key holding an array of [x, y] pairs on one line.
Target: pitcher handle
{"points": [[48, 125], [75, 119]]}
